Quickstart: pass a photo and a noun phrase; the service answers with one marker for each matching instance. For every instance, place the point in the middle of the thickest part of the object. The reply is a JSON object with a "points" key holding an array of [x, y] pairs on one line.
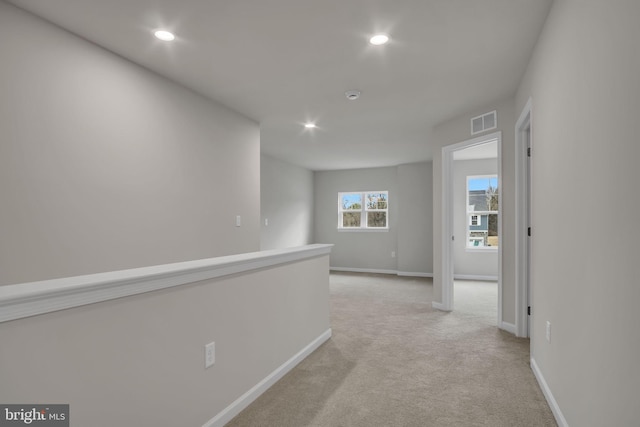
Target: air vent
{"points": [[484, 122]]}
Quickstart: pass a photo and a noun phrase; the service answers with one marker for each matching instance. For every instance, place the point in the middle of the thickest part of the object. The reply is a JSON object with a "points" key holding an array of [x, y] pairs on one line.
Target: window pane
{"points": [[376, 219], [492, 238], [352, 201], [351, 219], [376, 201], [483, 194]]}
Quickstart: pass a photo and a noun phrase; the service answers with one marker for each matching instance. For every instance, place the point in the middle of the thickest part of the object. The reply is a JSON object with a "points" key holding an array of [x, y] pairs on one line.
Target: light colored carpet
{"points": [[395, 361]]}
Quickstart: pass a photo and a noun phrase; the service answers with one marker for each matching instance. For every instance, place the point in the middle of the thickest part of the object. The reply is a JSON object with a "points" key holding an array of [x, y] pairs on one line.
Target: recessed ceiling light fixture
{"points": [[310, 125], [164, 35], [379, 39]]}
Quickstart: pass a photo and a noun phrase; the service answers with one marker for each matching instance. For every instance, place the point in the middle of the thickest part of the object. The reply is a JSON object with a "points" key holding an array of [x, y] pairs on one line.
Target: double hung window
{"points": [[366, 210], [482, 212]]}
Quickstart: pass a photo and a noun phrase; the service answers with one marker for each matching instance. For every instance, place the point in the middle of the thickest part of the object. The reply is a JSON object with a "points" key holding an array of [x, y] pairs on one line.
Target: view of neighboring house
{"points": [[482, 211]]}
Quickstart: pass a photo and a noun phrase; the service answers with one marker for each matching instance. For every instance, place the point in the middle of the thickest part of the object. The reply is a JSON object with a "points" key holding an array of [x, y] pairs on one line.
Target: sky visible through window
{"points": [[483, 183], [349, 200]]}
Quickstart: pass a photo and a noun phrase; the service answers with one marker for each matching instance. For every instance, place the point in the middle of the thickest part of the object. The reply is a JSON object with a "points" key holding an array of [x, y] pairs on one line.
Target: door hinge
{"points": [[529, 231], [528, 151], [529, 311]]}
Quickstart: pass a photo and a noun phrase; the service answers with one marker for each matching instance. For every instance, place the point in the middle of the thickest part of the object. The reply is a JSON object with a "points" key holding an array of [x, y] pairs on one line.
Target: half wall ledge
{"points": [[34, 298]]}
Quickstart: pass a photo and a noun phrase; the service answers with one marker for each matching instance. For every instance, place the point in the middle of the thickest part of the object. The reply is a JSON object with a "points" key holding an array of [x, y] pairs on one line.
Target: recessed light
{"points": [[164, 35], [310, 125], [379, 39]]}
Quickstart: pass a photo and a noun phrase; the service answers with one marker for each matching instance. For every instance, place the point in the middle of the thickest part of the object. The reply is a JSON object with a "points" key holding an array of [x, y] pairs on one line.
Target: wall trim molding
{"points": [[34, 298], [246, 399], [379, 271], [363, 270], [555, 408], [509, 327], [475, 277], [523, 141], [414, 274], [439, 306]]}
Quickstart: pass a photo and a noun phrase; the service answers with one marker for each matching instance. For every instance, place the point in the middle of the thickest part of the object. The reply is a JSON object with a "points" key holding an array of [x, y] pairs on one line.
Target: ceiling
{"points": [[285, 62]]}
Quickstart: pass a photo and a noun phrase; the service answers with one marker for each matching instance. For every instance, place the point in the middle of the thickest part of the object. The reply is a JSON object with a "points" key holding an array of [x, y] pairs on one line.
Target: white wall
{"points": [[106, 166], [583, 80], [410, 222], [139, 361], [415, 223], [362, 250], [465, 262], [458, 130], [286, 202]]}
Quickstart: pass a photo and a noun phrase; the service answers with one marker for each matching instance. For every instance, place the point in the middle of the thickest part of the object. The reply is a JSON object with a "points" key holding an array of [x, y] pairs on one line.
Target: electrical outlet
{"points": [[393, 254], [266, 221], [209, 354], [238, 221], [548, 331]]}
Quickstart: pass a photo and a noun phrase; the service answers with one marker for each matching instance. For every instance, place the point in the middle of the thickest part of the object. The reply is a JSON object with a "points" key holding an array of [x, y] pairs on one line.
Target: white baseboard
{"points": [[475, 277], [378, 271], [509, 327], [245, 400], [363, 270], [557, 413], [413, 274], [438, 306]]}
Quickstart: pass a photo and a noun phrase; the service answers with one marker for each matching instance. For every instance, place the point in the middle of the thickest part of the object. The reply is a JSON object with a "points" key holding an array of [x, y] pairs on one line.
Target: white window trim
{"points": [[363, 213], [480, 214]]}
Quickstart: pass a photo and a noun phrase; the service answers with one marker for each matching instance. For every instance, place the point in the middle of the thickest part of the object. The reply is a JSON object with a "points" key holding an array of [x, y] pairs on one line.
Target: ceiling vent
{"points": [[484, 122]]}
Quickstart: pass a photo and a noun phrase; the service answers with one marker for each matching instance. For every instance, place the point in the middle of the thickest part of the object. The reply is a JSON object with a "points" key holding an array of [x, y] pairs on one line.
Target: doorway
{"points": [[449, 155]]}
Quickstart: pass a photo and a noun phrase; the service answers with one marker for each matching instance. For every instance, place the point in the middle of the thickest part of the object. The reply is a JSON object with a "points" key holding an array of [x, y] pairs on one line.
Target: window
{"points": [[482, 212], [366, 210]]}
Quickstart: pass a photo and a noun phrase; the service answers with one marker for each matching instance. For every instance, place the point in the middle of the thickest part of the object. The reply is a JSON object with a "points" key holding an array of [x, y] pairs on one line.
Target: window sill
{"points": [[362, 230], [491, 249]]}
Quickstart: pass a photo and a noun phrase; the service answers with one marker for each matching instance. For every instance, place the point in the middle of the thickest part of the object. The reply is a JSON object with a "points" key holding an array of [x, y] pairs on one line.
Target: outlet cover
{"points": [[209, 354], [548, 331]]}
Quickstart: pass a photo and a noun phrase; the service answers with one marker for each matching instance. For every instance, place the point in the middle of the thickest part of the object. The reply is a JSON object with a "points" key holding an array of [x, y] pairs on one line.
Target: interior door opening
{"points": [[472, 216]]}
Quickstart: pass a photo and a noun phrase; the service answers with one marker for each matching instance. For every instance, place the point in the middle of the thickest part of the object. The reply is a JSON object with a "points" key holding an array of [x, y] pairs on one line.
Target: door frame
{"points": [[447, 219], [524, 140]]}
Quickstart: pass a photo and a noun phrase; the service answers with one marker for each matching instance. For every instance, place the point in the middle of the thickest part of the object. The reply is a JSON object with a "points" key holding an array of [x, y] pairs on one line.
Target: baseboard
{"points": [[363, 270], [413, 274], [378, 271], [438, 306], [475, 277], [557, 413], [245, 400], [509, 327]]}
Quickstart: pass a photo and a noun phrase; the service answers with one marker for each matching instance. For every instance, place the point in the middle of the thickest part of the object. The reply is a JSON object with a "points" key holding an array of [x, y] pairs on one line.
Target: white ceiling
{"points": [[283, 62]]}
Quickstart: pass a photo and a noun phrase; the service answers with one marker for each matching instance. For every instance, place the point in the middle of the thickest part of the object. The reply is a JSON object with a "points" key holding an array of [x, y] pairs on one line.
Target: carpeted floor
{"points": [[395, 361]]}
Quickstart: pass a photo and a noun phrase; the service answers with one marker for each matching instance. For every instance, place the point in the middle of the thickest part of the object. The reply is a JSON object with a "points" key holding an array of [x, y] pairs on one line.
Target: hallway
{"points": [[395, 361]]}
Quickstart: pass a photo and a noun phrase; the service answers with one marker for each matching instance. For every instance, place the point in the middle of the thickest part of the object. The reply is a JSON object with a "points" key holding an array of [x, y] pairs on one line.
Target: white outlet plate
{"points": [[548, 331], [238, 221], [393, 254], [209, 354]]}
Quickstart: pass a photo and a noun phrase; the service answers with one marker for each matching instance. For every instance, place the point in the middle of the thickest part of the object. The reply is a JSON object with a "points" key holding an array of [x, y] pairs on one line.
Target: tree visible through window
{"points": [[363, 210], [482, 211]]}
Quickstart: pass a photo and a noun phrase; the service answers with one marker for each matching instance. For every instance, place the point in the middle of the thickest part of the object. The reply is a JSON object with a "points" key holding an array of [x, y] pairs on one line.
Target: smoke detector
{"points": [[352, 94]]}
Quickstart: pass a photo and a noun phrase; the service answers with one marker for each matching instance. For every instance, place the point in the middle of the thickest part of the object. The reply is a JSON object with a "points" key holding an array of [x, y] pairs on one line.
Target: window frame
{"points": [[480, 214], [363, 212]]}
